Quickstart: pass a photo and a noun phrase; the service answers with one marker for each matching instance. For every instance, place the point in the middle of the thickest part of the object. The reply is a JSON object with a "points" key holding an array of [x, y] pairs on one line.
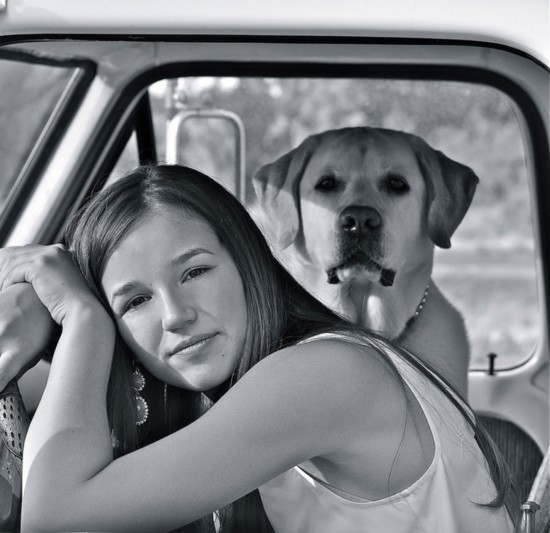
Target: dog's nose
{"points": [[355, 219]]}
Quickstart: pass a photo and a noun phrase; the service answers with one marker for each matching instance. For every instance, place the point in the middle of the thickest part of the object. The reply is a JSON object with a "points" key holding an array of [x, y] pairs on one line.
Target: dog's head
{"points": [[363, 202]]}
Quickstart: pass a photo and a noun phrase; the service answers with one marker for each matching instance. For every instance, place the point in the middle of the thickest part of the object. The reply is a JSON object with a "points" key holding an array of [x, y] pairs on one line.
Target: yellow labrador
{"points": [[355, 214]]}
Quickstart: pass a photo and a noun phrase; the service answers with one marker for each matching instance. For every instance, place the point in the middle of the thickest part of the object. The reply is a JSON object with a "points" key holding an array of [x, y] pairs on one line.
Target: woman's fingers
{"points": [[21, 345], [51, 272], [13, 271], [23, 263], [18, 262], [7, 256]]}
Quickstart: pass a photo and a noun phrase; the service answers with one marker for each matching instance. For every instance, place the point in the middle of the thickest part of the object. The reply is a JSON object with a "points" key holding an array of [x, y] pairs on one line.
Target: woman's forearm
{"points": [[70, 425]]}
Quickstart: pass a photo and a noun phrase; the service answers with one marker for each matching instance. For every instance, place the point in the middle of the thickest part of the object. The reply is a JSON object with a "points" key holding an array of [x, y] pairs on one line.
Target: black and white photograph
{"points": [[275, 267]]}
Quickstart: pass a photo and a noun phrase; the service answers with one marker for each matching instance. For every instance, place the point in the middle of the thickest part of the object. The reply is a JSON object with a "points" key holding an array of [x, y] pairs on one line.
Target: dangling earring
{"points": [[138, 383]]}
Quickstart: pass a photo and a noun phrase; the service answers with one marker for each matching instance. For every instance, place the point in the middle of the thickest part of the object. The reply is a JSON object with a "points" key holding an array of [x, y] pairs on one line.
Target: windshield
{"points": [[31, 92], [489, 272]]}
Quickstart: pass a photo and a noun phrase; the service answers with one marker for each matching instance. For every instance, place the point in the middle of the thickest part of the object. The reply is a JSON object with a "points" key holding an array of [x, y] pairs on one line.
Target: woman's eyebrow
{"points": [[183, 258], [122, 290]]}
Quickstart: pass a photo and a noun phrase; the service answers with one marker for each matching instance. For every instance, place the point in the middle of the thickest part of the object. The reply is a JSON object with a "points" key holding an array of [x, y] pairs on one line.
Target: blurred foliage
{"points": [[473, 124], [489, 272]]}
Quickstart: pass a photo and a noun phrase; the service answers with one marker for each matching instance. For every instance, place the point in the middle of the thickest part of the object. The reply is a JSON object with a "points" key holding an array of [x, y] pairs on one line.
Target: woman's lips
{"points": [[192, 345]]}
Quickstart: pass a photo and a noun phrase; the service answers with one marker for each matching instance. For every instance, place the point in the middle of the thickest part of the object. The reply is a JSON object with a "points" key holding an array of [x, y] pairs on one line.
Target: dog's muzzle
{"points": [[360, 229], [358, 220]]}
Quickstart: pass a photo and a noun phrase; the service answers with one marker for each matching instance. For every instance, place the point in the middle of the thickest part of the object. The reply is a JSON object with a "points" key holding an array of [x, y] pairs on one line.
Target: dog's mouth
{"points": [[358, 266]]}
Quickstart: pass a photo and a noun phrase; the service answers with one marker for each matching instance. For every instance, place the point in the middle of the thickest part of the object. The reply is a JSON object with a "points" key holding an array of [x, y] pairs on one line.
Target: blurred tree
{"points": [[473, 124]]}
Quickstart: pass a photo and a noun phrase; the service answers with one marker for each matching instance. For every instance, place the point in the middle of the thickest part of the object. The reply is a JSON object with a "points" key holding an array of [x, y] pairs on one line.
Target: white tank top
{"points": [[443, 500]]}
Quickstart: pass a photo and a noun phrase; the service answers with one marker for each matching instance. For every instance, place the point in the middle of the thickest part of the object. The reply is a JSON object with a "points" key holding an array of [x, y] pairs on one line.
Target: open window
{"points": [[489, 272]]}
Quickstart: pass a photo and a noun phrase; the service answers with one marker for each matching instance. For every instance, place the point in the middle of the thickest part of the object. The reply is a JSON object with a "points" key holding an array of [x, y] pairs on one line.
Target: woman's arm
{"points": [[25, 330], [87, 332], [287, 409], [290, 407], [69, 440]]}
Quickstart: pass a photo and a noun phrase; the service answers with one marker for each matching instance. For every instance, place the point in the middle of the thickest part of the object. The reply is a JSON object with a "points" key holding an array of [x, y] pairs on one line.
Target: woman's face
{"points": [[178, 300]]}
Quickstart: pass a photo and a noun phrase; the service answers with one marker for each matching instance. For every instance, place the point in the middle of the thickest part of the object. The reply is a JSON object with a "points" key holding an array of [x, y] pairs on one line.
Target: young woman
{"points": [[337, 429]]}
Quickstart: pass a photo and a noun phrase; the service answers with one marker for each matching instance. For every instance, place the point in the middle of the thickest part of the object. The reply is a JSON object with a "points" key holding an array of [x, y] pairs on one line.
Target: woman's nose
{"points": [[176, 314]]}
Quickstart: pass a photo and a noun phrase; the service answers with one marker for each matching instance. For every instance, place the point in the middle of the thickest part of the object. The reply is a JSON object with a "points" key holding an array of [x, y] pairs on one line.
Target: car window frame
{"points": [[537, 137], [128, 97], [72, 95]]}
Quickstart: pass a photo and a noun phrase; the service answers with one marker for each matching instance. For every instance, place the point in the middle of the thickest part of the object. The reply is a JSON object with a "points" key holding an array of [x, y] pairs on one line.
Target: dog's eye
{"points": [[326, 184], [398, 185]]}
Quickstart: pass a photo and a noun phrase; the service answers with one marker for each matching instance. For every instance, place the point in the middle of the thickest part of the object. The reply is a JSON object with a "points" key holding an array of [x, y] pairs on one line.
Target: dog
{"points": [[355, 215]]}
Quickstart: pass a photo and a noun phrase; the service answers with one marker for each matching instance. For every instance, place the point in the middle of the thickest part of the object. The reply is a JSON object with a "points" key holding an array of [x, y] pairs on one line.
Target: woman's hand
{"points": [[53, 275], [25, 330]]}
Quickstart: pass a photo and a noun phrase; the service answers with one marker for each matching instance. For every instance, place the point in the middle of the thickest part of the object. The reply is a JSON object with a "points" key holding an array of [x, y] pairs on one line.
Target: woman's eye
{"points": [[397, 185], [195, 273], [135, 303], [326, 184]]}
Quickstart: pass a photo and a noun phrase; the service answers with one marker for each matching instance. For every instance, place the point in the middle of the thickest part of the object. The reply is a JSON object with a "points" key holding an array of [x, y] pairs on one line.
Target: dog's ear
{"points": [[276, 185], [450, 188]]}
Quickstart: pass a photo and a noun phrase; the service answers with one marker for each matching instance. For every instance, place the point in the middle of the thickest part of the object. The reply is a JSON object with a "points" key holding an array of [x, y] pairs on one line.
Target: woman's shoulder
{"points": [[328, 362], [321, 394], [340, 348], [328, 388]]}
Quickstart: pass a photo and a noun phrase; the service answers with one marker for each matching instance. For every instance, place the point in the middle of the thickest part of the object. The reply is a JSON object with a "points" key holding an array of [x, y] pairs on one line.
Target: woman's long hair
{"points": [[280, 311]]}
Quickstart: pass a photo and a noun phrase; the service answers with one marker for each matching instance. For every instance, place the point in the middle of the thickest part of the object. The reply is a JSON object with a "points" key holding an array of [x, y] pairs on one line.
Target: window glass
{"points": [[29, 93], [489, 272], [127, 160]]}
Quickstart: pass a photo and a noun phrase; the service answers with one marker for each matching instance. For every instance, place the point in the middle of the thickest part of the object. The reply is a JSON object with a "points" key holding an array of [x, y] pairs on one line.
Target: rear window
{"points": [[489, 272]]}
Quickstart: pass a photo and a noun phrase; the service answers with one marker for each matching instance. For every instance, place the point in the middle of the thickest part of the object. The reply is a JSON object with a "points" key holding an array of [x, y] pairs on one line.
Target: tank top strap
{"points": [[405, 358]]}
